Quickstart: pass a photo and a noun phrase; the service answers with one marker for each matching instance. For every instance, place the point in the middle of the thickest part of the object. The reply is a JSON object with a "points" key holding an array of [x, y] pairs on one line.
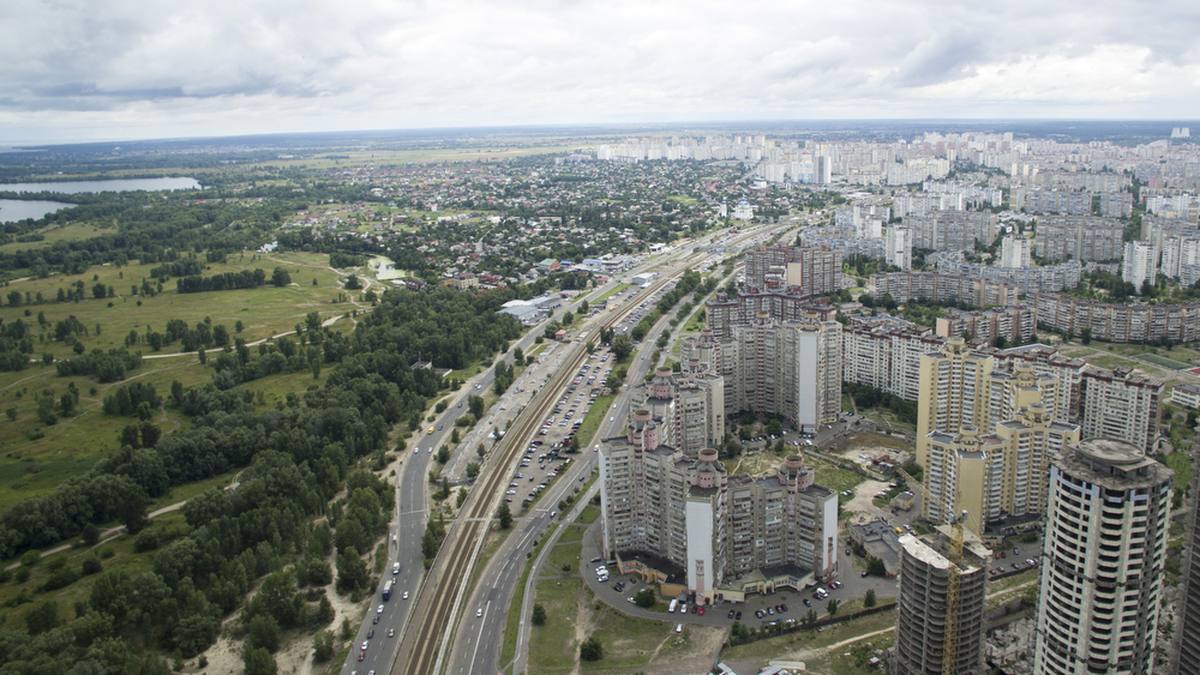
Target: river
{"points": [[70, 187], [12, 210]]}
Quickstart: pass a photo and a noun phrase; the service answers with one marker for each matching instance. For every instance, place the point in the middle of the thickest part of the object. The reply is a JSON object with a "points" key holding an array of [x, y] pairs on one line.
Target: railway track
{"points": [[442, 593]]}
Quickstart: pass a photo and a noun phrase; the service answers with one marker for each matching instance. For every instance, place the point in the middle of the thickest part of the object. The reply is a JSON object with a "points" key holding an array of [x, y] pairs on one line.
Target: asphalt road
{"points": [[479, 638], [409, 522]]}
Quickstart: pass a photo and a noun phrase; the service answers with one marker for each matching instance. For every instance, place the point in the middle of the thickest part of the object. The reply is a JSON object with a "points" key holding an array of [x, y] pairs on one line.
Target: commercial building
{"points": [[942, 601], [1121, 404], [683, 522], [1103, 560], [1139, 264]]}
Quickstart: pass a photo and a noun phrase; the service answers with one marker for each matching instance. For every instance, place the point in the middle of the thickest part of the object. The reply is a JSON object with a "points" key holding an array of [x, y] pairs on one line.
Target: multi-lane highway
{"points": [[422, 647]]}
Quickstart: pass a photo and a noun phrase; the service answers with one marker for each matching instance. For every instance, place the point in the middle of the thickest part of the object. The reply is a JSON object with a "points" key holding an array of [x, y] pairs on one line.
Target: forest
{"points": [[302, 499]]}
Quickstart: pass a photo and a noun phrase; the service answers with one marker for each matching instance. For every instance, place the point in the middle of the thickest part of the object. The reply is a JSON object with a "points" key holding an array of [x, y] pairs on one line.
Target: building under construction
{"points": [[942, 600]]}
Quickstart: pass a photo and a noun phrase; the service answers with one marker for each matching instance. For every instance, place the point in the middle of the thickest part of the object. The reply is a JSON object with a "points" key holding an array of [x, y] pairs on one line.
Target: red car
{"points": [[700, 611]]}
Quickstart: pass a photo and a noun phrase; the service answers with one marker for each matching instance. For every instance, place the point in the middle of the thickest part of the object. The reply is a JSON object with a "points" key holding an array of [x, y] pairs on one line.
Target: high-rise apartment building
{"points": [[1188, 638], [793, 370], [666, 515], [1140, 263], [1015, 251], [897, 247], [802, 270], [1103, 559], [940, 589], [688, 407], [1121, 404], [953, 394]]}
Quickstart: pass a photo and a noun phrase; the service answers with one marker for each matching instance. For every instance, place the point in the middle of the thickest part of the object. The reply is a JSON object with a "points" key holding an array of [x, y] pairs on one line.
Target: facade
{"points": [[944, 288], [1188, 654], [1015, 323], [953, 395], [925, 605], [688, 407], [1016, 252], [1121, 404], [1119, 322], [1139, 264], [683, 520], [884, 352], [803, 270], [724, 313], [1103, 561], [953, 230], [1179, 254], [1079, 238], [1050, 277], [788, 369], [1186, 395]]}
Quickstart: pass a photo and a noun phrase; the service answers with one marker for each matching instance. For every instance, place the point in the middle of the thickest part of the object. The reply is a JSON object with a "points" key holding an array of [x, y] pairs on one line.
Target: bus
{"points": [[387, 590]]}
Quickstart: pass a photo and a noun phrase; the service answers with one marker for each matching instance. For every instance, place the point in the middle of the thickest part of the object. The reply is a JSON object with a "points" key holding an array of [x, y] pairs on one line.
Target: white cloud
{"points": [[76, 69]]}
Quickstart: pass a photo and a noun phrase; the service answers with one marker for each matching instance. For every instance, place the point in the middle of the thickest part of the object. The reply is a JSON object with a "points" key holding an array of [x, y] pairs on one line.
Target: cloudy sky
{"points": [[117, 69]]}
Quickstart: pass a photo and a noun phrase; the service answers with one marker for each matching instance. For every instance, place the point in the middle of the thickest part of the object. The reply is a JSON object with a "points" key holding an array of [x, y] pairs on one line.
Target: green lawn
{"points": [[591, 423], [56, 233], [610, 292], [780, 646], [833, 477], [263, 311], [1163, 361]]}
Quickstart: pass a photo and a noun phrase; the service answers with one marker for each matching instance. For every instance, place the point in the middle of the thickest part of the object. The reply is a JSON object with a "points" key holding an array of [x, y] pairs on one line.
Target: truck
{"points": [[387, 590], [672, 606]]}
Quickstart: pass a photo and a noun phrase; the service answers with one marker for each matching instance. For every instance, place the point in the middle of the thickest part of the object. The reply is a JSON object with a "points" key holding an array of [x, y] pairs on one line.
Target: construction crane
{"points": [[950, 649]]}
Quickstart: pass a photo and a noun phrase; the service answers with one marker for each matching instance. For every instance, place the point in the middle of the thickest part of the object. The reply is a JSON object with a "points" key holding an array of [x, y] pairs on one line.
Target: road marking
{"points": [[482, 625]]}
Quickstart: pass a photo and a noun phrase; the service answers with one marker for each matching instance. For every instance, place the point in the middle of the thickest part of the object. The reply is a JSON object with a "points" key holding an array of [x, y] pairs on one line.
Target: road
{"points": [[437, 603], [410, 515], [478, 639]]}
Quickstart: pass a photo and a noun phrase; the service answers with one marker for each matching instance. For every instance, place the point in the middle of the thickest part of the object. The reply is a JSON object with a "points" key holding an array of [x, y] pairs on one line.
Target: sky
{"points": [[120, 69]]}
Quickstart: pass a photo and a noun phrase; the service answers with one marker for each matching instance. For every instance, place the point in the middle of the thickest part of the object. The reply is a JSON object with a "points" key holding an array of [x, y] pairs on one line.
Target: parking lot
{"points": [[547, 455]]}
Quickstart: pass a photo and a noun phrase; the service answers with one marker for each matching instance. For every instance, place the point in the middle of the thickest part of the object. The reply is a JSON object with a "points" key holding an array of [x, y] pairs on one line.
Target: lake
{"points": [[70, 187], [12, 210]]}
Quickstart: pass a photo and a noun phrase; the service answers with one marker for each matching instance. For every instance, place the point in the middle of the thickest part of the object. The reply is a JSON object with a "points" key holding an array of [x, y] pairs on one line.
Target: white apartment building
{"points": [[1179, 252], [1139, 264], [897, 248], [1103, 561], [1121, 404], [1016, 252]]}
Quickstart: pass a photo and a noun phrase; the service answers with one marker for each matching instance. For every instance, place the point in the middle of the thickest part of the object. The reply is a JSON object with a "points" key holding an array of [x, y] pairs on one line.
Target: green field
{"points": [[611, 292], [1164, 361], [263, 311], [833, 477], [57, 233]]}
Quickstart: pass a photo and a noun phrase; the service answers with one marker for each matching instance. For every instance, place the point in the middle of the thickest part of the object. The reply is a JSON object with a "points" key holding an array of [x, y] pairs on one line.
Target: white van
{"points": [[672, 606]]}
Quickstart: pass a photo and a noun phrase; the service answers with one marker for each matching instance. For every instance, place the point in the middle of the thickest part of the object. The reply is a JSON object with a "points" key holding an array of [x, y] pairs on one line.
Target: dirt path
{"points": [[862, 503], [583, 626]]}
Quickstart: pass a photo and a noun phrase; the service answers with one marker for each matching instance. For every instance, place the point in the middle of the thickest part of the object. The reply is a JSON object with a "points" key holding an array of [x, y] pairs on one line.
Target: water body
{"points": [[71, 187], [12, 210]]}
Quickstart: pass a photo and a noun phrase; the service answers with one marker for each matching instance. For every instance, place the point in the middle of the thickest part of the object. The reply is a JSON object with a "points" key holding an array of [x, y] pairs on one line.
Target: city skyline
{"points": [[138, 72]]}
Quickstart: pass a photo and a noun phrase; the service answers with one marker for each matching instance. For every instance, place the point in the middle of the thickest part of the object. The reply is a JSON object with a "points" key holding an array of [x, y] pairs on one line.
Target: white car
{"points": [[479, 612], [395, 566], [379, 610], [678, 628], [405, 596], [364, 647]]}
